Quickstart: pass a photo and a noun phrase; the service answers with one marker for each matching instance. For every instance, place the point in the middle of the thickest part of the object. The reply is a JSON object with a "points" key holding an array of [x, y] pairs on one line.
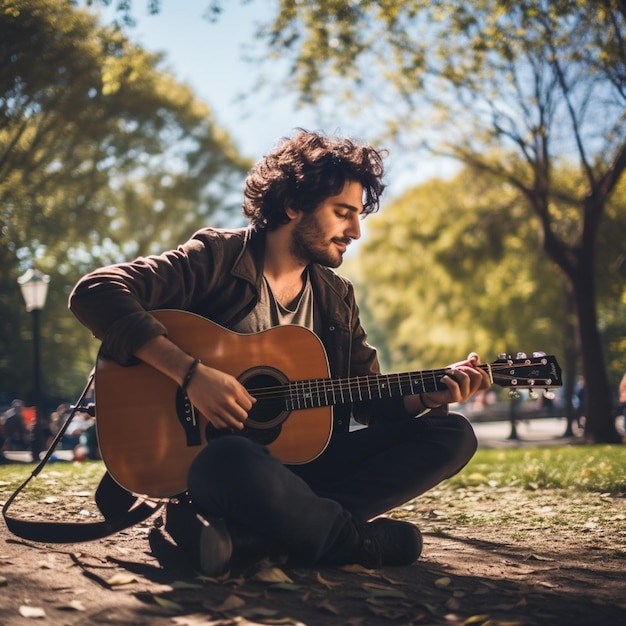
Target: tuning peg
{"points": [[532, 395], [514, 394], [521, 355], [538, 354]]}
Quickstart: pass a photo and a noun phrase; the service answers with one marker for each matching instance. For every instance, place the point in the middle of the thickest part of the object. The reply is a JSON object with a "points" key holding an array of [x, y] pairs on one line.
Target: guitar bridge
{"points": [[186, 414]]}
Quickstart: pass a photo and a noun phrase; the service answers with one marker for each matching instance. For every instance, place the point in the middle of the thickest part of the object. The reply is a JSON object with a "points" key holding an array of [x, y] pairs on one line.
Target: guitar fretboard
{"points": [[317, 392]]}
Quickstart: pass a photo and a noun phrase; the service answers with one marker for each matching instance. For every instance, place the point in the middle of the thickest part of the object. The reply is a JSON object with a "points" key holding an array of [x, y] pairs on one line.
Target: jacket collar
{"points": [[249, 263]]}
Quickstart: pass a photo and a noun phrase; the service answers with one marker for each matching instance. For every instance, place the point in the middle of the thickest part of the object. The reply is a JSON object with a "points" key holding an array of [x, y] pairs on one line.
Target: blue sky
{"points": [[209, 56]]}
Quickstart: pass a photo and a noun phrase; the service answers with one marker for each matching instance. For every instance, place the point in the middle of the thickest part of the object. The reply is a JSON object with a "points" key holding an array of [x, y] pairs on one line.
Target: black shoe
{"points": [[388, 541], [249, 547], [204, 539]]}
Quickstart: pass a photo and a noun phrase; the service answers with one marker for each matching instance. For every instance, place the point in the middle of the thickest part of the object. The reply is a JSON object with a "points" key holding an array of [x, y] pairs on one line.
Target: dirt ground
{"points": [[504, 556], [504, 559]]}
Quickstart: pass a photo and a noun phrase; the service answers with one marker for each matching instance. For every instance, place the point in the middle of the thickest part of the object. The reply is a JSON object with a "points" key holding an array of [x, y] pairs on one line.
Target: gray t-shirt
{"points": [[268, 312]]}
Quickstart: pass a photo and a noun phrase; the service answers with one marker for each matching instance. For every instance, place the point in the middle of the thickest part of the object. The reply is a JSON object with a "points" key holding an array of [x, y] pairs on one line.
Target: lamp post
{"points": [[34, 286]]}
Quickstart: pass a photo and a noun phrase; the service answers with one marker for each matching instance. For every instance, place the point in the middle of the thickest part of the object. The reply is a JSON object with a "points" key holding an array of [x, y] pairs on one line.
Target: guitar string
{"points": [[358, 382], [338, 386]]}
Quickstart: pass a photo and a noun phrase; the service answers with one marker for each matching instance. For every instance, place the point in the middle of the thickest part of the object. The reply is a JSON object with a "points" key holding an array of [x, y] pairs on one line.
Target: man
{"points": [[304, 201], [16, 431]]}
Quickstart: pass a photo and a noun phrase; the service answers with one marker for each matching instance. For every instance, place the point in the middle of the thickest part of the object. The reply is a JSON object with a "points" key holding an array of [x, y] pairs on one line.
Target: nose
{"points": [[354, 230]]}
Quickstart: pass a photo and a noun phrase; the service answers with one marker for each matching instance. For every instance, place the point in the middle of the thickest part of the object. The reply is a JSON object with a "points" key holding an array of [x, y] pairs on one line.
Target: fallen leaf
{"points": [[328, 606], [258, 611], [121, 579], [209, 579], [476, 620], [453, 604], [287, 587], [536, 557], [327, 583], [548, 585], [72, 605], [358, 569], [387, 593], [181, 584], [34, 612], [230, 603], [272, 575], [167, 604], [196, 619]]}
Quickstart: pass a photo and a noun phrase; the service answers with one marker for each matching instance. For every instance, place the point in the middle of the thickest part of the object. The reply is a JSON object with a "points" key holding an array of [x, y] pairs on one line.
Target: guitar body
{"points": [[149, 434]]}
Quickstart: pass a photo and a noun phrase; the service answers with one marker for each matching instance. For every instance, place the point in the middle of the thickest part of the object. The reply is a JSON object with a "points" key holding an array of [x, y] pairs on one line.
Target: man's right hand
{"points": [[220, 397]]}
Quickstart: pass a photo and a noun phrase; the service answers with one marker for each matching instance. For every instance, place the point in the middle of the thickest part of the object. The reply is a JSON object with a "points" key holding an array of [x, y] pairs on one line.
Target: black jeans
{"points": [[312, 510]]}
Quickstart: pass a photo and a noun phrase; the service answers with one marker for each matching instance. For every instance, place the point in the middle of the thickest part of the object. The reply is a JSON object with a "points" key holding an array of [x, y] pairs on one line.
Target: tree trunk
{"points": [[599, 424], [571, 352]]}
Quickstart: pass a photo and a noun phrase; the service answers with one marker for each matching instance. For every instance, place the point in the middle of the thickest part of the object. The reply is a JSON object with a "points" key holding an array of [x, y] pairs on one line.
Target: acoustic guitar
{"points": [[149, 433]]}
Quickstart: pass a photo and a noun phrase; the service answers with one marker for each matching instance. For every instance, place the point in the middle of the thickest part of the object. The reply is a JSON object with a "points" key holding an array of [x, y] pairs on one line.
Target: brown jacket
{"points": [[217, 274]]}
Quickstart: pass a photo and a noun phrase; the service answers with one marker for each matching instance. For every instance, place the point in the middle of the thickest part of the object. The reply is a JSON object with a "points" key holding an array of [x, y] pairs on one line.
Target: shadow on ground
{"points": [[137, 578]]}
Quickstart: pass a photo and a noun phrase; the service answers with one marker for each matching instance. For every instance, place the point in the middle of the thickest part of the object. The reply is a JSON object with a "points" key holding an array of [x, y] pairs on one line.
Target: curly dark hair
{"points": [[306, 169]]}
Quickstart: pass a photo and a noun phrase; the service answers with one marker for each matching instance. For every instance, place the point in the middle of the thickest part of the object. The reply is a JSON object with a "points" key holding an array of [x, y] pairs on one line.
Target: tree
{"points": [[542, 82], [103, 157], [454, 265]]}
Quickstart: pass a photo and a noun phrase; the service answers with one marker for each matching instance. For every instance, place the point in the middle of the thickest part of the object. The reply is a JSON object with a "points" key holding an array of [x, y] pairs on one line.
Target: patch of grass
{"points": [[600, 468], [60, 486], [55, 479]]}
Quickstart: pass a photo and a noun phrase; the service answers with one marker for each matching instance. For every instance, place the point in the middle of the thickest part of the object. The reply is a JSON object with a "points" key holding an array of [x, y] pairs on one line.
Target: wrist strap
{"points": [[189, 375]]}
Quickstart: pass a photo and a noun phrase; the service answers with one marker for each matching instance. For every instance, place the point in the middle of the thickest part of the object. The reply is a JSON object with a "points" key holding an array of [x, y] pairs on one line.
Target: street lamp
{"points": [[34, 286]]}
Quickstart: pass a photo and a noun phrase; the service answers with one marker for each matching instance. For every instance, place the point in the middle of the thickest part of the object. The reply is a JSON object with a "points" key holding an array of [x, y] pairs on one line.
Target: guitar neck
{"points": [[307, 394]]}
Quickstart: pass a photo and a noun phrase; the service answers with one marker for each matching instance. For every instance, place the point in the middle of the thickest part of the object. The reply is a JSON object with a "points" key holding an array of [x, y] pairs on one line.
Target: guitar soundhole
{"points": [[267, 385], [269, 411]]}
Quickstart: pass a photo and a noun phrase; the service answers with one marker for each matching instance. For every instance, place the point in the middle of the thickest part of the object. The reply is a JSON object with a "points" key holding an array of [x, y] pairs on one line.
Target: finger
{"points": [[226, 420], [461, 373], [452, 383], [485, 380]]}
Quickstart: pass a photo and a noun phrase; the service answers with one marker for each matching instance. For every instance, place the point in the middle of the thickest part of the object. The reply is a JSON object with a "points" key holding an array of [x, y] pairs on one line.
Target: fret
{"points": [[326, 400], [341, 391], [318, 398], [290, 402], [384, 386], [308, 396], [358, 386], [300, 393]]}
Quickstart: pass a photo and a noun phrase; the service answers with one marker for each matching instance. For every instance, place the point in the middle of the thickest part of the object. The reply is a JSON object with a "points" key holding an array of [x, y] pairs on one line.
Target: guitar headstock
{"points": [[521, 372]]}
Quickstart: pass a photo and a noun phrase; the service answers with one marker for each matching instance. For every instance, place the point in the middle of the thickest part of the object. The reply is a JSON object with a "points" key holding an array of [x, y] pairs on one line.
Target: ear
{"points": [[292, 214]]}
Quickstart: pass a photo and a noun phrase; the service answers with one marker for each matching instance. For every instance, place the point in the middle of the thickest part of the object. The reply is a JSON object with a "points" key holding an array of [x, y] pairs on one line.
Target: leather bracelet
{"points": [[189, 375]]}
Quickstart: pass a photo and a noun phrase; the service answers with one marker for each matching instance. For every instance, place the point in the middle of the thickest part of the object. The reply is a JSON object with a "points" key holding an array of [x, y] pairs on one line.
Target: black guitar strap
{"points": [[120, 508]]}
